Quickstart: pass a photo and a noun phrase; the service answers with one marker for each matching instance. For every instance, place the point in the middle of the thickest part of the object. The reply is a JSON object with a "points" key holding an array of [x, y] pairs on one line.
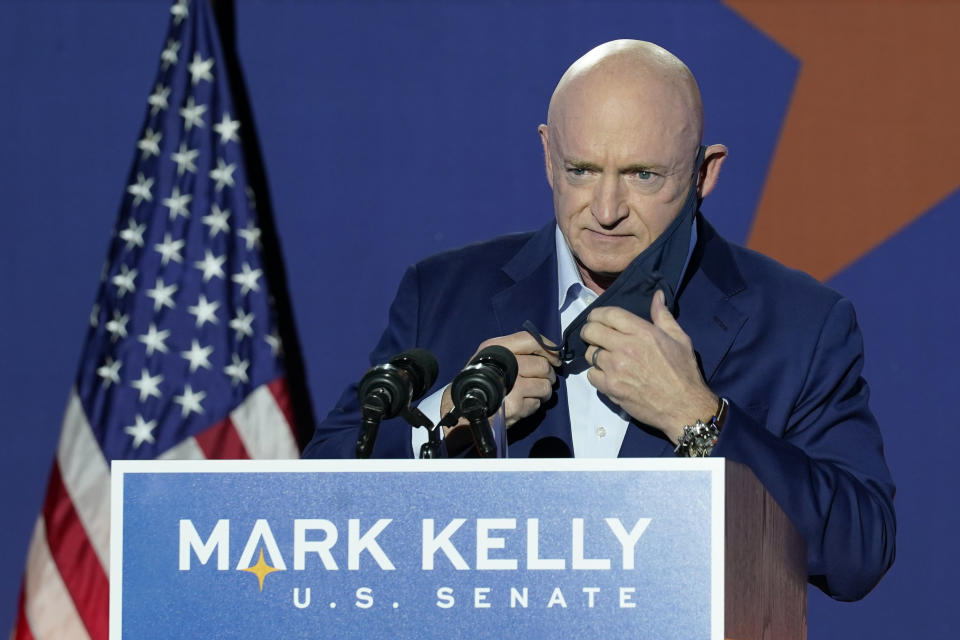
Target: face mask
{"points": [[659, 266]]}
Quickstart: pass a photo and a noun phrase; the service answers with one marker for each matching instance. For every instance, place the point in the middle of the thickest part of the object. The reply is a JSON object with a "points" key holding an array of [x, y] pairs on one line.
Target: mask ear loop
{"points": [[697, 168], [531, 328], [565, 358]]}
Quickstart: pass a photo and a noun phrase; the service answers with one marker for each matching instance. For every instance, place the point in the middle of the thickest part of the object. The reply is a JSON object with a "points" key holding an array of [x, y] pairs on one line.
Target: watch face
{"points": [[699, 440]]}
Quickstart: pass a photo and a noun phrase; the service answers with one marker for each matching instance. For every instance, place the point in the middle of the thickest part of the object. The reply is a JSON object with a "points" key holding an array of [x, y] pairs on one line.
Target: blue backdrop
{"points": [[393, 130]]}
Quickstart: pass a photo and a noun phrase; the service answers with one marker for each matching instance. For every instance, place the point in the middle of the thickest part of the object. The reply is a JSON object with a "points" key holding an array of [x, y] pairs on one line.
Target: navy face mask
{"points": [[659, 266]]}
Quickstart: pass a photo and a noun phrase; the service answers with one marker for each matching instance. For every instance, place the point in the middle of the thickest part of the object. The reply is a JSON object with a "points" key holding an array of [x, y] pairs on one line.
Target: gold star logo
{"points": [[261, 569]]}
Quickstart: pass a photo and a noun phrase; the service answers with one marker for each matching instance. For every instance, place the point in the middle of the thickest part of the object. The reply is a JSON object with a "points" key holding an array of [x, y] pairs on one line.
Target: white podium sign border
{"points": [[715, 466]]}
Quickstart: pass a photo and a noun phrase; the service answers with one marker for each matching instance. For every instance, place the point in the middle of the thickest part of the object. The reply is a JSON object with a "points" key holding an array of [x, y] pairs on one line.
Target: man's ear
{"points": [[544, 132], [713, 159]]}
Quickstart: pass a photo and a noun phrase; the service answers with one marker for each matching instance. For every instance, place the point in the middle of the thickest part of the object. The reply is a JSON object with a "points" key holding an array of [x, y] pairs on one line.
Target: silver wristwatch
{"points": [[698, 441]]}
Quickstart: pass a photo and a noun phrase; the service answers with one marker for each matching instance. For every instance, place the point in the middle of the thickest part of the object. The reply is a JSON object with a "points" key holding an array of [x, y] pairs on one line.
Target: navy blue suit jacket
{"points": [[784, 349]]}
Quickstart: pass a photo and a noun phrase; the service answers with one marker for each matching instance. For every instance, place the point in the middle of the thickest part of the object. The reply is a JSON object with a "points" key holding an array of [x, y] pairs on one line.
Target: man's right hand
{"points": [[535, 376]]}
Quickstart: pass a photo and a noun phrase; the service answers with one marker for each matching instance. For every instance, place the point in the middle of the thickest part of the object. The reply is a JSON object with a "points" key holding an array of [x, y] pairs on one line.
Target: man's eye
{"points": [[577, 171], [644, 175]]}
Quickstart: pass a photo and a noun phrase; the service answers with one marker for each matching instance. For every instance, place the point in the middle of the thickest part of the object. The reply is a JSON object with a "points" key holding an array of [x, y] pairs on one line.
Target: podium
{"points": [[627, 548], [765, 585]]}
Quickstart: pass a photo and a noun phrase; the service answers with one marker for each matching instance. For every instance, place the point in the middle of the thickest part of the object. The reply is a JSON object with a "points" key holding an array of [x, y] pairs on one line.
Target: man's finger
{"points": [[618, 318], [598, 379], [664, 320], [592, 355], [522, 343], [535, 367], [538, 388], [599, 334]]}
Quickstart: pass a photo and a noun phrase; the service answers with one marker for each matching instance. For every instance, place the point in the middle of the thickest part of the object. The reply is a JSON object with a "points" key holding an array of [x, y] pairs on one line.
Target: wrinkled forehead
{"points": [[641, 119]]}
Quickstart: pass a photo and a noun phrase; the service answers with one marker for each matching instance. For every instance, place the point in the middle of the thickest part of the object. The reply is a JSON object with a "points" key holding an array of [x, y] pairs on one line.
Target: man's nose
{"points": [[609, 204]]}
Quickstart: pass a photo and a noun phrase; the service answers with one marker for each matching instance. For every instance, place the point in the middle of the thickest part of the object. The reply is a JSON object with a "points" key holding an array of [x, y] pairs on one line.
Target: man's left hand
{"points": [[647, 369]]}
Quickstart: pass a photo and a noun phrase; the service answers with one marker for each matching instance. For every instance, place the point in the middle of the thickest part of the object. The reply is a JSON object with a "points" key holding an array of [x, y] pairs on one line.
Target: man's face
{"points": [[620, 165]]}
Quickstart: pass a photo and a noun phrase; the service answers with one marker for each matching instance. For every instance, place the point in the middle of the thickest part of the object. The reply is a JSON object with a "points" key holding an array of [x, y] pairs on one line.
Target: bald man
{"points": [[640, 332]]}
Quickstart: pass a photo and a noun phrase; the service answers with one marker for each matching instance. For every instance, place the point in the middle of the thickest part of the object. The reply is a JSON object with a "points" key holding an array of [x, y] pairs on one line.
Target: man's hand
{"points": [[648, 369], [535, 376]]}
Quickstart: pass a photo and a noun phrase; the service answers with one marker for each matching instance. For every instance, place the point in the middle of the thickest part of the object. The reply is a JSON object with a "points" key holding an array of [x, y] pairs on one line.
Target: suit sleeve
{"points": [[827, 471], [336, 436]]}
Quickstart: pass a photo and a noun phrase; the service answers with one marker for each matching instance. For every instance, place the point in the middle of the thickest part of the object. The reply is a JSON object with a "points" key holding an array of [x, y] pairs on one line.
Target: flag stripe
{"points": [[185, 450], [222, 442], [75, 557], [49, 610], [22, 630], [86, 476], [281, 394], [256, 419]]}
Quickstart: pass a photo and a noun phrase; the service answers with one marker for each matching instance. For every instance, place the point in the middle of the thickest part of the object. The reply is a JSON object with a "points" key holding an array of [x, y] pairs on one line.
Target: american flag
{"points": [[182, 357]]}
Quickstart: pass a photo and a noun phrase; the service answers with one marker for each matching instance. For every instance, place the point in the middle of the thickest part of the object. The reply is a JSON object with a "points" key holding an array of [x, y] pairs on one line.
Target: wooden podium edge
{"points": [[765, 586]]}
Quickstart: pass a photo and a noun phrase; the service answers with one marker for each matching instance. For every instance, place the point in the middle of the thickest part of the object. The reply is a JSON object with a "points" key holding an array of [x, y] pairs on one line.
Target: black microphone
{"points": [[479, 390], [387, 389]]}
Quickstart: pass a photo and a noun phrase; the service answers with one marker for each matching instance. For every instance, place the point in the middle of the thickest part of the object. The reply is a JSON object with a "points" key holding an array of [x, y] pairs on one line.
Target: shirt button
{"points": [[601, 432]]}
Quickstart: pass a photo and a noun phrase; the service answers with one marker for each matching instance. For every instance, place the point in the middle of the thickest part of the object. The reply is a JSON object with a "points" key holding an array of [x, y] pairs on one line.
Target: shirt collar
{"points": [[569, 282]]}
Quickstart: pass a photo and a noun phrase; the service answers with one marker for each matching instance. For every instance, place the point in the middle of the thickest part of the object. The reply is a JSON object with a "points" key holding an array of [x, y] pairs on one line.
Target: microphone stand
{"points": [[374, 408], [373, 411], [474, 409], [415, 418], [433, 448]]}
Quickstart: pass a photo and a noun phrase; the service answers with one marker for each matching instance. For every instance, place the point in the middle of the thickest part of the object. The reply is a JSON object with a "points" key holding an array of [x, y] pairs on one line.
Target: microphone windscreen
{"points": [[503, 359], [423, 367]]}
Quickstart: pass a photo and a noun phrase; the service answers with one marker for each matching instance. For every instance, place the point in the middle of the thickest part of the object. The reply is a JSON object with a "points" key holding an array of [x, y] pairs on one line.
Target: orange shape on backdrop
{"points": [[868, 142]]}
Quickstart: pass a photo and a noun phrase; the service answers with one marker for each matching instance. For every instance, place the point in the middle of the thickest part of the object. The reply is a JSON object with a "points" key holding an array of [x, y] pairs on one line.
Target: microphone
{"points": [[387, 389], [479, 390]]}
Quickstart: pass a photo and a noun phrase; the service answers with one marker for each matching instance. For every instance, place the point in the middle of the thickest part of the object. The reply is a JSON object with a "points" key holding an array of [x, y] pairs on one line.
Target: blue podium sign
{"points": [[417, 549]]}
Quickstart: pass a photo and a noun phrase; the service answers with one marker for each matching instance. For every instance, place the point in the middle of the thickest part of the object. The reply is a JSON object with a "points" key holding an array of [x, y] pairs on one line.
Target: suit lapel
{"points": [[533, 296], [705, 308]]}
